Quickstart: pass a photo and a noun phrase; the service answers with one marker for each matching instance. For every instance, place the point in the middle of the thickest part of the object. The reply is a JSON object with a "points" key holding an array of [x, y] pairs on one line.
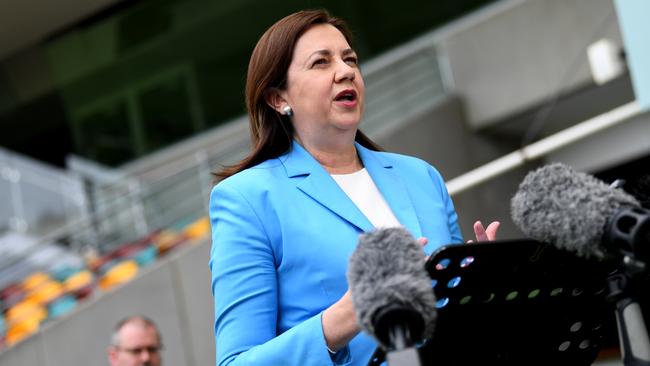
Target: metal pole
{"points": [[543, 147]]}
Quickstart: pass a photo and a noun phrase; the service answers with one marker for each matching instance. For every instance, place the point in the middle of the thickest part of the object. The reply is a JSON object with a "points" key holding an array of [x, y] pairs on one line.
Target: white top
{"points": [[362, 190]]}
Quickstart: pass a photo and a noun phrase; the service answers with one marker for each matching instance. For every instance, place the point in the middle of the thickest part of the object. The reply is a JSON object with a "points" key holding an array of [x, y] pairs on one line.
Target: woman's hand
{"points": [[340, 323], [485, 234]]}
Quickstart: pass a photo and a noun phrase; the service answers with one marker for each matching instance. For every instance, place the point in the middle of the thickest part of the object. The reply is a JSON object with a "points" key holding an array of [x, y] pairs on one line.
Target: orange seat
{"points": [[34, 280], [26, 309], [46, 292], [118, 274], [167, 240], [198, 229], [21, 330], [78, 281]]}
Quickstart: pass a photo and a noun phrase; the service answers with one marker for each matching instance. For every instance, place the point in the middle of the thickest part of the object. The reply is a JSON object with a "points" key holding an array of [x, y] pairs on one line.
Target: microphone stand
{"points": [[401, 355], [632, 332], [629, 231]]}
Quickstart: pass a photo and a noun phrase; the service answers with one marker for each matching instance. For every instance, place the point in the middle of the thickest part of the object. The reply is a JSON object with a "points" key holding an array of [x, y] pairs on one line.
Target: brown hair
{"points": [[272, 133]]}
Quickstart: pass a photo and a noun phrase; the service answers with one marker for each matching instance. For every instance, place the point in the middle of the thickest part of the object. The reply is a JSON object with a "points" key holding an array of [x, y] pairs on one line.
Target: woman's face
{"points": [[324, 86]]}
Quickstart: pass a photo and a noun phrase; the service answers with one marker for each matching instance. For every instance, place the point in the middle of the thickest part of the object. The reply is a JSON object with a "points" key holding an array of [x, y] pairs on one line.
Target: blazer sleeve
{"points": [[452, 216], [245, 290]]}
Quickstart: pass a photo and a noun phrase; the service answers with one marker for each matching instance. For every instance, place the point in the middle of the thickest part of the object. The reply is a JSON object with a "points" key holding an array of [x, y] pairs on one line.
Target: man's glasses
{"points": [[152, 350]]}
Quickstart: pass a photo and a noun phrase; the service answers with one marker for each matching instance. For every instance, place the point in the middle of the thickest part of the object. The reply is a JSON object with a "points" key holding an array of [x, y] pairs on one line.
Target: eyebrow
{"points": [[325, 52]]}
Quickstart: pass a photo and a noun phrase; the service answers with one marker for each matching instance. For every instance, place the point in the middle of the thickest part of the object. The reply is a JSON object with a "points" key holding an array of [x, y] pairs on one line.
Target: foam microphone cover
{"points": [[569, 209], [387, 269]]}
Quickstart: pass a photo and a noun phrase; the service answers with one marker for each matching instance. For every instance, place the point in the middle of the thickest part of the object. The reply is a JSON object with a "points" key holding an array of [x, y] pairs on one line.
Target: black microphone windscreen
{"points": [[556, 205], [387, 269]]}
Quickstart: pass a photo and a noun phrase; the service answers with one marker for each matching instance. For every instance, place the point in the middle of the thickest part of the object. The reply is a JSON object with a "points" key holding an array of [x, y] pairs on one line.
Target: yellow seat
{"points": [[78, 281], [167, 240], [119, 274], [22, 329], [46, 292], [34, 280], [198, 229], [26, 309]]}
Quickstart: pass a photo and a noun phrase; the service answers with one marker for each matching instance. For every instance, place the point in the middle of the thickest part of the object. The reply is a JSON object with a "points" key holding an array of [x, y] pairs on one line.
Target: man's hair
{"points": [[135, 319]]}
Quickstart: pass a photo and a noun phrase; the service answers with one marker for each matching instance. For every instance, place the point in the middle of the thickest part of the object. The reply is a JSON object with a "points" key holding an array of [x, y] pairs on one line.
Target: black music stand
{"points": [[517, 302]]}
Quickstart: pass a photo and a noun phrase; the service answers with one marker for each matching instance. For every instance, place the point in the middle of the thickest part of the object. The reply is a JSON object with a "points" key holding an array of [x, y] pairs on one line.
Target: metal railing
{"points": [[171, 187], [36, 196], [176, 187]]}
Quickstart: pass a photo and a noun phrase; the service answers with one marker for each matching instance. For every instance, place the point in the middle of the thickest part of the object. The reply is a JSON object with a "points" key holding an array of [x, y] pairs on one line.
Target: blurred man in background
{"points": [[135, 341]]}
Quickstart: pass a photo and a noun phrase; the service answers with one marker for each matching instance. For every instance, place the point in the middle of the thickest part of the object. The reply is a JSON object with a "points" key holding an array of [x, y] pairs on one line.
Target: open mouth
{"points": [[347, 95]]}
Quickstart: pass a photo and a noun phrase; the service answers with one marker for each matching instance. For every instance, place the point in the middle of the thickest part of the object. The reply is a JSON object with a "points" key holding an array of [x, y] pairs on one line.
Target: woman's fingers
{"points": [[492, 230], [479, 231], [483, 234], [423, 242]]}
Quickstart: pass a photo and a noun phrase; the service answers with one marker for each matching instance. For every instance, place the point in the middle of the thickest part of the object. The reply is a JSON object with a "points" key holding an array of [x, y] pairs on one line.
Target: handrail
{"points": [[543, 147], [428, 41], [227, 143]]}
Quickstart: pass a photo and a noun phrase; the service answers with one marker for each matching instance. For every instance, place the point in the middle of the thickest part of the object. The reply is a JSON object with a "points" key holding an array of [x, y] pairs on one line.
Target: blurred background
{"points": [[114, 113]]}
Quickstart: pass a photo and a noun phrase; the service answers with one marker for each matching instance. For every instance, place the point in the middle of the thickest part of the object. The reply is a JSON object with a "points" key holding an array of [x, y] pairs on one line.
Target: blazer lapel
{"points": [[319, 185], [392, 188]]}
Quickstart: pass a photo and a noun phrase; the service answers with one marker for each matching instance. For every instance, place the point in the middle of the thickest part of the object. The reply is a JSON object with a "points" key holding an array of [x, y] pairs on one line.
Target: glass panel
{"points": [[104, 133]]}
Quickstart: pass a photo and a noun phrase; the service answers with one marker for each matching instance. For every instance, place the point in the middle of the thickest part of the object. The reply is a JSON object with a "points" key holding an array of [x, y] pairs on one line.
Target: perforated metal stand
{"points": [[516, 303]]}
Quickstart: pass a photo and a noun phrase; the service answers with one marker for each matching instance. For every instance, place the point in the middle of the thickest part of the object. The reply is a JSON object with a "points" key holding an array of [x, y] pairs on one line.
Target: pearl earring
{"points": [[287, 110]]}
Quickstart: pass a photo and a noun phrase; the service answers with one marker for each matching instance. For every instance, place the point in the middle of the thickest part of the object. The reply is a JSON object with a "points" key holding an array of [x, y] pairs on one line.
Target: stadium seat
{"points": [[11, 295], [45, 293], [34, 280], [198, 229], [80, 284], [61, 306], [22, 329], [146, 256], [118, 274], [166, 240]]}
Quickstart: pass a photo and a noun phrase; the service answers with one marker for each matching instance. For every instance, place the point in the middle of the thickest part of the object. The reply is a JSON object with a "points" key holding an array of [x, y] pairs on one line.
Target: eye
{"points": [[320, 61], [351, 60]]}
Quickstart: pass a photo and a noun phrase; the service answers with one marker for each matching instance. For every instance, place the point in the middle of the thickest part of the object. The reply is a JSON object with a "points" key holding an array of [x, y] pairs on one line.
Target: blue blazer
{"points": [[282, 234]]}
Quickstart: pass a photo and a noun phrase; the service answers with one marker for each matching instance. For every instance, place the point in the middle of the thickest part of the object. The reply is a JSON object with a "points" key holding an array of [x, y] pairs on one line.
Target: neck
{"points": [[335, 159]]}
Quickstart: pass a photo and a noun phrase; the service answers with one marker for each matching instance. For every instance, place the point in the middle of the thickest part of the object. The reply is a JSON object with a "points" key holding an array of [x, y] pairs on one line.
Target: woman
{"points": [[286, 219]]}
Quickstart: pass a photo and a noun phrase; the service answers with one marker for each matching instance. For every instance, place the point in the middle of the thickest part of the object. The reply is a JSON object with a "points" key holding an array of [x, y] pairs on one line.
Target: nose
{"points": [[145, 356], [344, 71]]}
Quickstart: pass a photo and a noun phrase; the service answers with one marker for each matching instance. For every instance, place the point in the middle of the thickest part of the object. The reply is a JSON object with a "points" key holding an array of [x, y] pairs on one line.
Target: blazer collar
{"points": [[392, 187], [320, 186]]}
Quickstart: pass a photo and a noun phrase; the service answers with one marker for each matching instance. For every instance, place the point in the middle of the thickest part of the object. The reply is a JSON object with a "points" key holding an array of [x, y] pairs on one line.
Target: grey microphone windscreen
{"points": [[556, 205], [387, 269]]}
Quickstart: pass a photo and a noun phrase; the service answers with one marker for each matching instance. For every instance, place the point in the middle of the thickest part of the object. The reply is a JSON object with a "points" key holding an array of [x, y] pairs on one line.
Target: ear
{"points": [[275, 99], [112, 355]]}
